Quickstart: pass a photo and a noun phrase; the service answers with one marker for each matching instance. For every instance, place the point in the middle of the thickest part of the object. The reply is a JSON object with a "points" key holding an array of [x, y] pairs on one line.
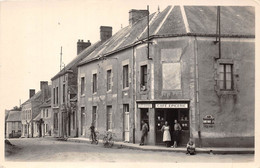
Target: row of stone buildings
{"points": [[194, 64]]}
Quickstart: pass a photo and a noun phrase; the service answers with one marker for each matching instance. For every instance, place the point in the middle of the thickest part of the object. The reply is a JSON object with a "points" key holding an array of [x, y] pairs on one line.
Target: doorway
{"points": [[126, 123], [169, 115]]}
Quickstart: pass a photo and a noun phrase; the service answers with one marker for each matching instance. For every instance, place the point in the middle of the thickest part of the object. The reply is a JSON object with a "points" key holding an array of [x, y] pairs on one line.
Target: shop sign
{"points": [[145, 106], [171, 105], [208, 121]]}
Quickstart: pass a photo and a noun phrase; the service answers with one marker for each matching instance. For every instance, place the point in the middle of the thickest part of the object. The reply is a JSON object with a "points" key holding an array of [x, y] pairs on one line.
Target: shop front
{"points": [[166, 111]]}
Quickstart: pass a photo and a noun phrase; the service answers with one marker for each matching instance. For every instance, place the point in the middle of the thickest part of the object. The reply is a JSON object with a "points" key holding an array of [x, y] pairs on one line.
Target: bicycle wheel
{"points": [[105, 141], [90, 139], [111, 142], [97, 137]]}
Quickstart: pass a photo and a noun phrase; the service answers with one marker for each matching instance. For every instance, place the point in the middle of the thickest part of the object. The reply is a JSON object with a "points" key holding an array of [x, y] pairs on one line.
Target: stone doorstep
{"points": [[179, 149]]}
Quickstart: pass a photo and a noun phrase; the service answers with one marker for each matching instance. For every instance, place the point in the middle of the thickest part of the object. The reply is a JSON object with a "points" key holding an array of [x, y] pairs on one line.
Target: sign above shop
{"points": [[179, 105], [145, 106]]}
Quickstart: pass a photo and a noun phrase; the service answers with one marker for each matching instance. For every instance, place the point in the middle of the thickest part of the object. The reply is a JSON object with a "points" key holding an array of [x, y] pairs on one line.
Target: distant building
{"points": [[47, 118], [31, 109], [188, 71], [13, 124], [64, 89]]}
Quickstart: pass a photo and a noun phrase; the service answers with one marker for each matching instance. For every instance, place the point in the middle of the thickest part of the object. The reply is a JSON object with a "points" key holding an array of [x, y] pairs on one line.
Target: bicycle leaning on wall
{"points": [[108, 140]]}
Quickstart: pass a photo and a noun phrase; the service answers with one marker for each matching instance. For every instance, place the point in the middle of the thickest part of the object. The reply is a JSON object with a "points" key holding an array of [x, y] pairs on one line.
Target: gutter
{"points": [[141, 41], [62, 72]]}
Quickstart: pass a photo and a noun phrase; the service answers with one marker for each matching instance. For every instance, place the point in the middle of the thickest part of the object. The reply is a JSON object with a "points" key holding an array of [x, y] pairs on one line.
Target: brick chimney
{"points": [[31, 93], [44, 90], [135, 15], [105, 32], [81, 45]]}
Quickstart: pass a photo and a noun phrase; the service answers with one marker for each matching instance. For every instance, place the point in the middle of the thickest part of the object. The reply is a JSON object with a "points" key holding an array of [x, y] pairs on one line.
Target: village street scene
{"points": [[174, 83]]}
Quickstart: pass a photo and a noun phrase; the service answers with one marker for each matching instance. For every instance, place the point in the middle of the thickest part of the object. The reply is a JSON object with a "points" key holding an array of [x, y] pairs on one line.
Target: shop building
{"points": [[190, 70], [64, 88]]}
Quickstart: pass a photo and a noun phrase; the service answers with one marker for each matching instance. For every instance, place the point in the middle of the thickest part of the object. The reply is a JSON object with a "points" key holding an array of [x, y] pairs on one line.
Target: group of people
{"points": [[167, 138]]}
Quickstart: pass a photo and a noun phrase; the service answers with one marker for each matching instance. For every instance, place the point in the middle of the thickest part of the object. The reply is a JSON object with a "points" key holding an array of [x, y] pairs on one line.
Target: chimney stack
{"points": [[105, 32], [81, 45], [31, 92], [135, 15], [44, 90]]}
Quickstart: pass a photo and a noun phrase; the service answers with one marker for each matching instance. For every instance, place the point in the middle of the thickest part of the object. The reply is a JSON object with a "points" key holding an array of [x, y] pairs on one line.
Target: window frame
{"points": [[94, 83], [82, 86], [225, 77], [143, 77], [109, 79], [109, 118], [125, 76]]}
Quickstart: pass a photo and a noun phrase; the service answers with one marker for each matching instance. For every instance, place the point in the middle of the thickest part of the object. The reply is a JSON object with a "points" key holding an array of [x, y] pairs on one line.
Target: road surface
{"points": [[49, 149]]}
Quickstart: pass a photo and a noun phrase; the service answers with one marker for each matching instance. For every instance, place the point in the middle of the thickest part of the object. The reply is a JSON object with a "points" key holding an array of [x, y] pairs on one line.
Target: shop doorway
{"points": [[171, 114]]}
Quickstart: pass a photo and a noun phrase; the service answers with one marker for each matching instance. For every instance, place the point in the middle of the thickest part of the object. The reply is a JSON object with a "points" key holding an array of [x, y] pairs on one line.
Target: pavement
{"points": [[208, 150]]}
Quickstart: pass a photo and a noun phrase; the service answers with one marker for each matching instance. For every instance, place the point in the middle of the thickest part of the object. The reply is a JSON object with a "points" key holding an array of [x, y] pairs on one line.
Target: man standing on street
{"points": [[144, 132]]}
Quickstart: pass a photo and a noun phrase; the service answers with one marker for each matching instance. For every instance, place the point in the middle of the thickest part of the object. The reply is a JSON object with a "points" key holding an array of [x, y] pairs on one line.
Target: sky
{"points": [[32, 33]]}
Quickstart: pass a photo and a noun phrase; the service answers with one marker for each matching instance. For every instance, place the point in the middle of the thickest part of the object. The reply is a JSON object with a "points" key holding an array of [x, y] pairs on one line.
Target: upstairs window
{"points": [[82, 90], [57, 95], [109, 80], [225, 80], [63, 93], [143, 80], [53, 95], [94, 83], [125, 77]]}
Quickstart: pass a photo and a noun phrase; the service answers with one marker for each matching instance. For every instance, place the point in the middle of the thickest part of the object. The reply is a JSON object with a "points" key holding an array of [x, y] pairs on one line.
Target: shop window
{"points": [[82, 90], [94, 83], [109, 79], [144, 117], [225, 80], [125, 77], [143, 80], [109, 117]]}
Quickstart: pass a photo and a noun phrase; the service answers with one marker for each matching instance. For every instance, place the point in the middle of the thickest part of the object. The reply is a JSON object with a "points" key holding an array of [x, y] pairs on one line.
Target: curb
{"points": [[178, 150]]}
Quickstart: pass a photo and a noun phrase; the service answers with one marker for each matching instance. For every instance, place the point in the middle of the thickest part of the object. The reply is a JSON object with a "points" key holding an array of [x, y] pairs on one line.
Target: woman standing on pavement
{"points": [[166, 134]]}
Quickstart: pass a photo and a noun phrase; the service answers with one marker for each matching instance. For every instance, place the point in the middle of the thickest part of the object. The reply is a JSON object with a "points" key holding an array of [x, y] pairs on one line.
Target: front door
{"points": [[181, 115], [126, 127]]}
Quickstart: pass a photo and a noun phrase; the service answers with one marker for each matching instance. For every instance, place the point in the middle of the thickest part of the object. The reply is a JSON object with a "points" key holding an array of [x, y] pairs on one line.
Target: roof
{"points": [[35, 97], [14, 116], [47, 103], [38, 117], [78, 58], [180, 21]]}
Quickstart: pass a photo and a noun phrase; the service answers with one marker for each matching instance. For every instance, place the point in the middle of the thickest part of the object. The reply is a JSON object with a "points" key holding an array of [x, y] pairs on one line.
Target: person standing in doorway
{"points": [[144, 132], [176, 133], [166, 134]]}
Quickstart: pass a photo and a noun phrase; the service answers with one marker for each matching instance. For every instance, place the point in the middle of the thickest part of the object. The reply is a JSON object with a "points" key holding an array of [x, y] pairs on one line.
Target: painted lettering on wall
{"points": [[145, 106], [179, 105], [208, 121]]}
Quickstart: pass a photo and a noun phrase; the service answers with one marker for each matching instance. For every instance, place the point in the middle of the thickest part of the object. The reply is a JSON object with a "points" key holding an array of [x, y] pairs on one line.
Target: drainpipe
{"points": [[218, 33], [197, 88], [134, 93]]}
